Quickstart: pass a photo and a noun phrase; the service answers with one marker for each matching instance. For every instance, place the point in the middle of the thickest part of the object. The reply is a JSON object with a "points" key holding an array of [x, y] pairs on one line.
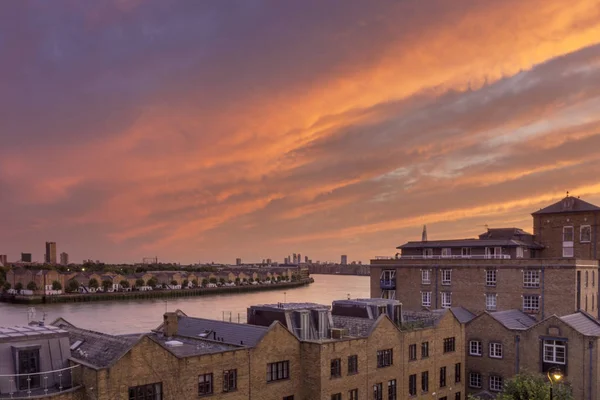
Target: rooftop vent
{"points": [[174, 343], [75, 345]]}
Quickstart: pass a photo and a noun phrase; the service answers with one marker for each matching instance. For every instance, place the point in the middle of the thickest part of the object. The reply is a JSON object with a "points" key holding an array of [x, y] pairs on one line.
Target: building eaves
{"points": [[226, 332], [568, 205], [468, 243], [462, 314], [513, 319], [583, 323]]}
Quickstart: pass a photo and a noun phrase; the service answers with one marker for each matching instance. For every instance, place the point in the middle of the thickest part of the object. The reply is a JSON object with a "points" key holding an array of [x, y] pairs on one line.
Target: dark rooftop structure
{"points": [[568, 205], [308, 321], [514, 319]]}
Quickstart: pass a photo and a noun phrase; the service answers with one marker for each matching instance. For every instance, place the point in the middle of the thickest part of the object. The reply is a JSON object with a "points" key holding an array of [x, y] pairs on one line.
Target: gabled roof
{"points": [[229, 332], [513, 319], [96, 349], [462, 314], [568, 205], [583, 323]]}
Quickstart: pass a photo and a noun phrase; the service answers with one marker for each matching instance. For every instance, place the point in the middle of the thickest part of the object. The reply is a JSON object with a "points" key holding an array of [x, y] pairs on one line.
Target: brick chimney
{"points": [[170, 324]]}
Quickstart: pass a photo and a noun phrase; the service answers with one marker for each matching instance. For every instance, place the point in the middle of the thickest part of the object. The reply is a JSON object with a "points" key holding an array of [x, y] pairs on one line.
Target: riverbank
{"points": [[151, 294]]}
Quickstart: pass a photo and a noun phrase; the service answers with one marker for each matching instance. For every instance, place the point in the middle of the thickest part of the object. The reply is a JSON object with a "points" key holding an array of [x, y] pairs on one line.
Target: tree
{"points": [[222, 281], [139, 282], [526, 386], [56, 285], [185, 283], [6, 286], [152, 282], [31, 286], [294, 277], [93, 283], [237, 280], [205, 282], [244, 280], [173, 282], [124, 283], [213, 280], [195, 282], [72, 285], [268, 279], [106, 284]]}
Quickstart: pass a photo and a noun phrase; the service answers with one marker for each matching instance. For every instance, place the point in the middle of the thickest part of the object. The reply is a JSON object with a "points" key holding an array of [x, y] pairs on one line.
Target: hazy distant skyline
{"points": [[196, 130]]}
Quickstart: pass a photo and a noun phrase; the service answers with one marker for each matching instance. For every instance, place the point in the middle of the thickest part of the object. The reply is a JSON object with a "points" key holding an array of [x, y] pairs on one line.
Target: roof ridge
{"points": [[227, 322], [103, 335]]}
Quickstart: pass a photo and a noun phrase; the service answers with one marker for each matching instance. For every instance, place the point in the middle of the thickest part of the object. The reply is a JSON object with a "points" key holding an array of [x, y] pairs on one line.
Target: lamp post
{"points": [[555, 375]]}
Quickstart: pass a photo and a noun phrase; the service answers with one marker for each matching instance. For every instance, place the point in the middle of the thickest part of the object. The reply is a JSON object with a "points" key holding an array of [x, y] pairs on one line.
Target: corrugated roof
{"points": [[467, 243], [230, 332], [568, 205], [513, 319], [582, 323]]}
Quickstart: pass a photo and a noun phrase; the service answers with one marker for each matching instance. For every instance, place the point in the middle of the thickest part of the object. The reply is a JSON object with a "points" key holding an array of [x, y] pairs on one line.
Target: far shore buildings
{"points": [[377, 352], [50, 255]]}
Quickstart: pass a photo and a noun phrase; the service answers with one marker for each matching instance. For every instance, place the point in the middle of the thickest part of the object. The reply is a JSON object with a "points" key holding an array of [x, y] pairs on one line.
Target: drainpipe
{"points": [[591, 347], [437, 268], [249, 377], [543, 286], [517, 352]]}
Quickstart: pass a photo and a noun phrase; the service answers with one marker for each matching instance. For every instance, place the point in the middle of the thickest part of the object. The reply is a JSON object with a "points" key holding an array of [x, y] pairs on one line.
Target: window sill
{"points": [[279, 380], [490, 285], [426, 283], [496, 358], [384, 366], [530, 287], [230, 391], [352, 373], [475, 355], [206, 395], [424, 357], [335, 377], [446, 283]]}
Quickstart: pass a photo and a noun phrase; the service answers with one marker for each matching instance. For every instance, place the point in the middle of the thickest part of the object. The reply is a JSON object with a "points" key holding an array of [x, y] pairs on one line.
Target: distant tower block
{"points": [[344, 260], [238, 261]]}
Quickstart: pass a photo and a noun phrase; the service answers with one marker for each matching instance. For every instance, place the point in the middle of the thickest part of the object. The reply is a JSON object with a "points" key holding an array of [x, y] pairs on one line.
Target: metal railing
{"points": [[387, 284], [450, 257], [22, 386]]}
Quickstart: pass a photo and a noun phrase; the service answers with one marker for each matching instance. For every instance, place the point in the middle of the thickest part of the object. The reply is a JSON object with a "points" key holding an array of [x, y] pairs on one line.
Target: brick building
{"points": [[502, 344], [421, 356], [553, 271]]}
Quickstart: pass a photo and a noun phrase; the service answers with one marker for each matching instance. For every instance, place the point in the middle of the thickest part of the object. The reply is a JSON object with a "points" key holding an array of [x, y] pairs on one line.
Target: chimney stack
{"points": [[170, 324]]}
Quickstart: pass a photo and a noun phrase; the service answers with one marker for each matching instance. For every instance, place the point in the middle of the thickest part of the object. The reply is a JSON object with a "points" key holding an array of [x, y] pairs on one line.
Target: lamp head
{"points": [[555, 375]]}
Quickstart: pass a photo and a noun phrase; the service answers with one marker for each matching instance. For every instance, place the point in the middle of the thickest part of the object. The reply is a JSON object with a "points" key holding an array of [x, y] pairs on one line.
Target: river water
{"points": [[136, 316]]}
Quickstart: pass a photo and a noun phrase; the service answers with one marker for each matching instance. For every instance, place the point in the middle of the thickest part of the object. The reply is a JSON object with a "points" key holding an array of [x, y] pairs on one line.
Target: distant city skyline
{"points": [[215, 130]]}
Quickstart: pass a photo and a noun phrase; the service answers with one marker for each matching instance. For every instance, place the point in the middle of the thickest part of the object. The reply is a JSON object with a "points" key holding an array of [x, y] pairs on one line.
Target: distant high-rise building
{"points": [[3, 259], [295, 259], [286, 260], [344, 259], [26, 257], [269, 261], [238, 261], [299, 259], [50, 257], [64, 258], [306, 259]]}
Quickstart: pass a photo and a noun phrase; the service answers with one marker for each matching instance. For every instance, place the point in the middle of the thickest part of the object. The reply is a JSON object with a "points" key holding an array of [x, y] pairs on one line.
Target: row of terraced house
{"points": [[535, 295], [44, 278]]}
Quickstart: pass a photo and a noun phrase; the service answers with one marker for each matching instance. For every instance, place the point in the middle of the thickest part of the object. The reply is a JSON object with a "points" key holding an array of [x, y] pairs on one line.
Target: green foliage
{"points": [[124, 283], [213, 280], [139, 282], [526, 386], [222, 280], [237, 280], [205, 281], [173, 282], [72, 286], [195, 282], [185, 283], [6, 286], [56, 285], [106, 284], [152, 282], [31, 286], [294, 277], [93, 283]]}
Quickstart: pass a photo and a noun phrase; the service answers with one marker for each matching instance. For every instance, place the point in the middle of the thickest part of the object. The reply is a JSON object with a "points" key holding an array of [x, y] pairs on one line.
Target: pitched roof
{"points": [[468, 243], [182, 347], [462, 314], [503, 233], [355, 326], [513, 319], [568, 205], [583, 323], [229, 332], [96, 349]]}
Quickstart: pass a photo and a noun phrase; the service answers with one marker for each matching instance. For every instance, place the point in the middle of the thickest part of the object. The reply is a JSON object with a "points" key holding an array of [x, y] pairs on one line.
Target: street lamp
{"points": [[555, 375]]}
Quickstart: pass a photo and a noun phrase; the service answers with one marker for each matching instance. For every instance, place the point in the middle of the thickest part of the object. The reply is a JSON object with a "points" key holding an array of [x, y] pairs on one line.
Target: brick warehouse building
{"points": [[362, 349], [553, 271]]}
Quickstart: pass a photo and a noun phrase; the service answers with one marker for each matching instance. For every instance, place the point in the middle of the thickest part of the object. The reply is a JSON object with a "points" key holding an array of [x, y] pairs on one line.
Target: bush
{"points": [[185, 283], [93, 283], [173, 282], [124, 284], [213, 280], [72, 286], [205, 281], [152, 282], [31, 286], [56, 285], [195, 282], [222, 281], [106, 284], [139, 282], [6, 286]]}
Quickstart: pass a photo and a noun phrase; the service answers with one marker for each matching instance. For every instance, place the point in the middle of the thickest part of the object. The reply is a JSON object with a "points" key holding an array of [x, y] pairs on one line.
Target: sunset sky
{"points": [[210, 130]]}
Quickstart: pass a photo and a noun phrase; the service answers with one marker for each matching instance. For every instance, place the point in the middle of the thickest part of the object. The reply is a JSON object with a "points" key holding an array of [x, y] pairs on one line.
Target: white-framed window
{"points": [[475, 347], [531, 278], [426, 299], [425, 276], [465, 252], [446, 299], [568, 234], [520, 252], [446, 252], [585, 234], [568, 252], [531, 303], [555, 351], [446, 276], [490, 277], [490, 301], [495, 350], [427, 253], [475, 380], [493, 252], [495, 383]]}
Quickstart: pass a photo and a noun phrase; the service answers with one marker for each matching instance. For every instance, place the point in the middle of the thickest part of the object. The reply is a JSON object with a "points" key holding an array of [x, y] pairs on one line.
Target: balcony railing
{"points": [[451, 257], [387, 284], [23, 386]]}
